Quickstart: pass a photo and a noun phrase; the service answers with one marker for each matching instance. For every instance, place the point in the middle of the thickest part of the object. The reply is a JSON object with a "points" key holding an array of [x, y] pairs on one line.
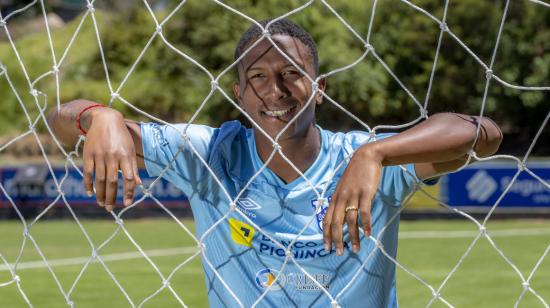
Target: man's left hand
{"points": [[352, 198]]}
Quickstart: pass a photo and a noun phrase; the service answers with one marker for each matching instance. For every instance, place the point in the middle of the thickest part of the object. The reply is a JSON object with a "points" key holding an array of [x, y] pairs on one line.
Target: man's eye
{"points": [[255, 76], [291, 73]]}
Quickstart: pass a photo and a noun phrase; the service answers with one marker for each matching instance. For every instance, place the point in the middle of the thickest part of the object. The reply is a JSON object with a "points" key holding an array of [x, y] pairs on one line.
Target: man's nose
{"points": [[277, 89]]}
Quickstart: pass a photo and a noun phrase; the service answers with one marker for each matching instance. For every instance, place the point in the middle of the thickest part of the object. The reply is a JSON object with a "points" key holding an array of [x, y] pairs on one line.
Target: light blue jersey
{"points": [[245, 252]]}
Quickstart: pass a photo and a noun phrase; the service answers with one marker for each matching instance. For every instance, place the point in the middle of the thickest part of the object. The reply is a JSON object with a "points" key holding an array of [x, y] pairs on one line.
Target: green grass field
{"points": [[429, 248]]}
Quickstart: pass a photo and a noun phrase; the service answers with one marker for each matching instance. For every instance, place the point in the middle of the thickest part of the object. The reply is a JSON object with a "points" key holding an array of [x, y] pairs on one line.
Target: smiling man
{"points": [[321, 225]]}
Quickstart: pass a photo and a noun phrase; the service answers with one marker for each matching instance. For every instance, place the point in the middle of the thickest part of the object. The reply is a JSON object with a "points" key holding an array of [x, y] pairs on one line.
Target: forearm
{"points": [[441, 138], [64, 121]]}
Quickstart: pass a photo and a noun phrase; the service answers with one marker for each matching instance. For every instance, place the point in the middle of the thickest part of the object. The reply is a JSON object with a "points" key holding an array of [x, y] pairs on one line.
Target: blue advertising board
{"points": [[482, 184], [73, 188]]}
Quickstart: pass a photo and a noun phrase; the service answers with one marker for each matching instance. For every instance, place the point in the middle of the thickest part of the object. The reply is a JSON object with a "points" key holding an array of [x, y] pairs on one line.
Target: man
{"points": [[278, 215]]}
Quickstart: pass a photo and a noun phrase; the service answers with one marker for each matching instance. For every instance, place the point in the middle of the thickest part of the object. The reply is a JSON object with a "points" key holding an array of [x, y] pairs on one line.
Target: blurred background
{"points": [[169, 87]]}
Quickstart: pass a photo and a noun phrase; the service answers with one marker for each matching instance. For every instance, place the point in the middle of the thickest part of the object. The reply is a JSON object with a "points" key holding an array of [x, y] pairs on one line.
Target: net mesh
{"points": [[40, 101]]}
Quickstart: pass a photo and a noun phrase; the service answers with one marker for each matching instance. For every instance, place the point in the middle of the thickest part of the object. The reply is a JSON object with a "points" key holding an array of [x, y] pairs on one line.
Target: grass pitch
{"points": [[428, 248]]}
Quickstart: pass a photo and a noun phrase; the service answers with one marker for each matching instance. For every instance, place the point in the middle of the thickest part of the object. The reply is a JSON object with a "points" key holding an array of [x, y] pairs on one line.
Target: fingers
{"points": [[111, 185], [106, 180], [340, 215], [88, 175], [365, 213], [351, 214], [347, 210], [327, 235], [128, 181], [336, 225], [136, 171], [100, 180]]}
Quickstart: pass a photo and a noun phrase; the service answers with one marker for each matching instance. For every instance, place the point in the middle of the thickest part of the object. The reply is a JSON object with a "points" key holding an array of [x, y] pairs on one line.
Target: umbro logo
{"points": [[248, 206]]}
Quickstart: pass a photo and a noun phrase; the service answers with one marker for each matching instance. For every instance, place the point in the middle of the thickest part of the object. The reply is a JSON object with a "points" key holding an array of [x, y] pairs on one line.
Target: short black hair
{"points": [[281, 26]]}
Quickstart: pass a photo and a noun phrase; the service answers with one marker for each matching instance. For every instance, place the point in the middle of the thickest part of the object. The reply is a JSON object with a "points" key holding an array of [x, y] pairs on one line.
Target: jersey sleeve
{"points": [[175, 156]]}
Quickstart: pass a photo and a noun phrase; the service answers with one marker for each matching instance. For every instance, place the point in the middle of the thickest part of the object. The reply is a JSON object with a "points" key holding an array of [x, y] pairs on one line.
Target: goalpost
{"points": [[41, 102]]}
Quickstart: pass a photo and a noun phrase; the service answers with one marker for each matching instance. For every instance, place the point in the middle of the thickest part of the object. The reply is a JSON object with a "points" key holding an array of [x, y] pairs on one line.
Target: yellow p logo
{"points": [[241, 232]]}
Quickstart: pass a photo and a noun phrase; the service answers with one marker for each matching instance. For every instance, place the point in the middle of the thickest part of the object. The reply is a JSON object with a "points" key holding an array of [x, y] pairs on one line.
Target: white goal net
{"points": [[35, 107]]}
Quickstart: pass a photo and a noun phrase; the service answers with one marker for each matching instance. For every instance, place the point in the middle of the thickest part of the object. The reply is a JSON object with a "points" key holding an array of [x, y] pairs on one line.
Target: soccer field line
{"points": [[189, 250], [473, 233], [106, 257]]}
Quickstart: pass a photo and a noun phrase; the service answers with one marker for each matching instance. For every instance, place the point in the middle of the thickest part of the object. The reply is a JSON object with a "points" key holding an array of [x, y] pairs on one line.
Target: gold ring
{"points": [[351, 208]]}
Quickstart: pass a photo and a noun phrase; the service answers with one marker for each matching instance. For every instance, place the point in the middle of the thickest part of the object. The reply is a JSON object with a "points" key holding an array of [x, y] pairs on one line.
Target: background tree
{"points": [[172, 88]]}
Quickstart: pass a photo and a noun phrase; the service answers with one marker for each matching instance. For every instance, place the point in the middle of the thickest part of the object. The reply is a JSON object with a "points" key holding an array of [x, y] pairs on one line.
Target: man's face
{"points": [[272, 90]]}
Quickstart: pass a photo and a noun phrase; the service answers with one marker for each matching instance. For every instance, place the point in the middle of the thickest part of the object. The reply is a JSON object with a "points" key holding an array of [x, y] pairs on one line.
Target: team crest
{"points": [[320, 205]]}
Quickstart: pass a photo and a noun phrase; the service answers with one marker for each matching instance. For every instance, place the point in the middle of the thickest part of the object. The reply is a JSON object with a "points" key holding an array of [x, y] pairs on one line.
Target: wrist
{"points": [[88, 114], [105, 113], [371, 152]]}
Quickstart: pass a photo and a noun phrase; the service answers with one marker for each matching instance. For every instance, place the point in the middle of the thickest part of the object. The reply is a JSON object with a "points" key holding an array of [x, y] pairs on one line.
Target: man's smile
{"points": [[279, 112]]}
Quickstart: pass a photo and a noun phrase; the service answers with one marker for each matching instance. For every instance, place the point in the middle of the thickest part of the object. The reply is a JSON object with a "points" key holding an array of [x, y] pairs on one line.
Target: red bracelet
{"points": [[80, 115]]}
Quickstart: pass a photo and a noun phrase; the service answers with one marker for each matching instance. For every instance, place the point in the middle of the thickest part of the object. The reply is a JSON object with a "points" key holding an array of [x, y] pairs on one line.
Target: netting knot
{"points": [[2, 23], [372, 134], [288, 252], [368, 47], [201, 247], [424, 113], [114, 95], [276, 146], [55, 69], [70, 302], [483, 230], [266, 33], [166, 283], [60, 191], [379, 244], [334, 304], [232, 206], [16, 278], [119, 221], [314, 86], [94, 254], [489, 74], [472, 153], [213, 85], [443, 26], [34, 92], [90, 7], [436, 295], [525, 285], [185, 136], [2, 68], [158, 29], [26, 231], [521, 166]]}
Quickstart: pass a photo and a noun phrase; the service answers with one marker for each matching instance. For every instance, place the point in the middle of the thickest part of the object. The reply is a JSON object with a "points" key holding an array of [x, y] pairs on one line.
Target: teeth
{"points": [[278, 113]]}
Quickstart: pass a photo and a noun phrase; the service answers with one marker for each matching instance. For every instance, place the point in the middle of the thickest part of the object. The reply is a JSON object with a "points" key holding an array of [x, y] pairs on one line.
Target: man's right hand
{"points": [[108, 148]]}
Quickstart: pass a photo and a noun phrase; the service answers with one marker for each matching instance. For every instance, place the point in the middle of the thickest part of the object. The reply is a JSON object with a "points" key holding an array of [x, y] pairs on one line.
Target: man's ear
{"points": [[322, 86], [237, 92]]}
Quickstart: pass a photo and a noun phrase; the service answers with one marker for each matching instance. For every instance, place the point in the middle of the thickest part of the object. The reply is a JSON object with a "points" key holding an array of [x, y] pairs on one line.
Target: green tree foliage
{"points": [[172, 88]]}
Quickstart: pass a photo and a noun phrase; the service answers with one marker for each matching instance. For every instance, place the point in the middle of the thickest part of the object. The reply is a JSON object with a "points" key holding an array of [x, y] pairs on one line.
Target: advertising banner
{"points": [[34, 185], [482, 184]]}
